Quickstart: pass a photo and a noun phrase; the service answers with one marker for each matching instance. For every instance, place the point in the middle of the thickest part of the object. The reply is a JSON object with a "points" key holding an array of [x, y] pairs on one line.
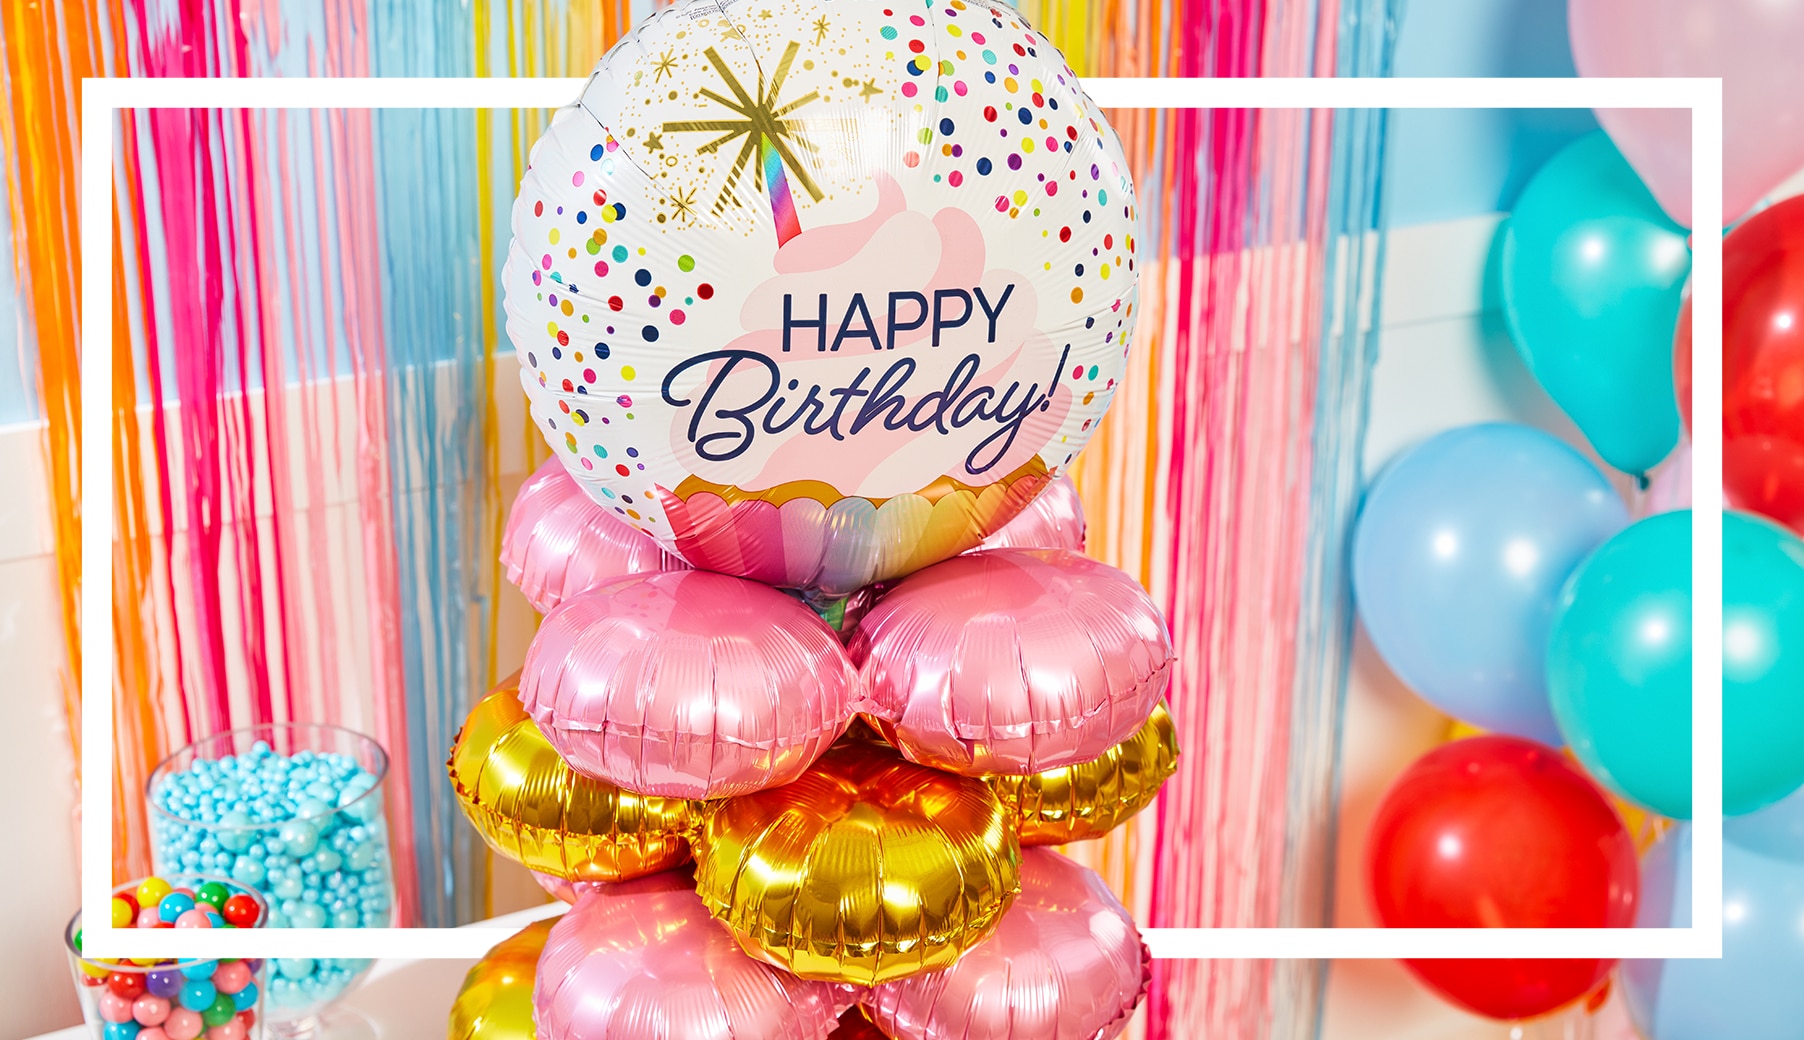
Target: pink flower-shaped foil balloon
{"points": [[1012, 661], [644, 961], [1053, 520], [1065, 964], [559, 542], [688, 684]]}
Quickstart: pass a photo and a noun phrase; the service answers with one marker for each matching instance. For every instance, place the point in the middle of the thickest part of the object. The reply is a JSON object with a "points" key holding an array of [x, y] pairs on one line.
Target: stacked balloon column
{"points": [[293, 811], [1548, 608], [813, 302]]}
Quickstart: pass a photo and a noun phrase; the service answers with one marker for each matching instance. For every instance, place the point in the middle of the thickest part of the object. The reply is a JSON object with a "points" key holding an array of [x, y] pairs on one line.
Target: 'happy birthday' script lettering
{"points": [[746, 393]]}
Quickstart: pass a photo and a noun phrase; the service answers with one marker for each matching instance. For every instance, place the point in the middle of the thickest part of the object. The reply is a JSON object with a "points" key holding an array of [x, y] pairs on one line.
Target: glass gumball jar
{"points": [[167, 999], [294, 810]]}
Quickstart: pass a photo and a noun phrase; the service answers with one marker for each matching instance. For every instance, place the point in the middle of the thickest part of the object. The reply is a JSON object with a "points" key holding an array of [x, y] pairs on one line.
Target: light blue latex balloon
{"points": [[1619, 663], [1776, 831], [1592, 272], [1459, 554], [1756, 991]]}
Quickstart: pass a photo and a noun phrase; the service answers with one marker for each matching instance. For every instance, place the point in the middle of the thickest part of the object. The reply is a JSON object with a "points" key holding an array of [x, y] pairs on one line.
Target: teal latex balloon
{"points": [[1592, 274], [1619, 663]]}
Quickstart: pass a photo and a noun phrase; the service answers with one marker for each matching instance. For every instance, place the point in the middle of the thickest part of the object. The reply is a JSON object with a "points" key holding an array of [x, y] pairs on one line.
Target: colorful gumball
{"points": [[149, 1010], [128, 984], [1066, 961], [664, 684], [908, 867], [120, 1031], [232, 976], [166, 984], [1500, 832], [241, 910], [153, 1033], [219, 1011], [183, 1024], [530, 806], [198, 994], [559, 542], [123, 912], [174, 905], [151, 917], [115, 1008], [195, 918], [212, 893], [953, 307], [227, 1030], [1012, 661], [643, 958], [495, 1000], [151, 891], [246, 998]]}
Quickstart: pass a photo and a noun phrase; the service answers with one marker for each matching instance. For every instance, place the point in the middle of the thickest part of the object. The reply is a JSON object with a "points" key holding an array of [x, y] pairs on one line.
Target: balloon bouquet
{"points": [[814, 302], [1505, 581]]}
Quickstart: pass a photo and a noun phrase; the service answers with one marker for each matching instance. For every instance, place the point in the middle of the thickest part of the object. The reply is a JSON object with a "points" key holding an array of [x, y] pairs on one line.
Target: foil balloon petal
{"points": [[495, 1000], [1088, 800], [1066, 963], [1012, 661], [867, 868], [688, 685], [1053, 520], [822, 296], [559, 542], [644, 961], [534, 809]]}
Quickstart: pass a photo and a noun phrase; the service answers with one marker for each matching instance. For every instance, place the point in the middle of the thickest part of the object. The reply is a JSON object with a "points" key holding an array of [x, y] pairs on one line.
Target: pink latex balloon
{"points": [[644, 961], [559, 542], [1752, 44], [1065, 964], [1012, 661], [1053, 520], [688, 685], [1671, 486]]}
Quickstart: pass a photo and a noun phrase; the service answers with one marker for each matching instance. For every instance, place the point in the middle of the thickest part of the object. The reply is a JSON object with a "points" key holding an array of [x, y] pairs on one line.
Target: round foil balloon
{"points": [[644, 960], [534, 809], [688, 684], [1054, 520], [558, 542], [495, 1001], [820, 293], [868, 868], [1065, 964], [1090, 799], [1013, 661]]}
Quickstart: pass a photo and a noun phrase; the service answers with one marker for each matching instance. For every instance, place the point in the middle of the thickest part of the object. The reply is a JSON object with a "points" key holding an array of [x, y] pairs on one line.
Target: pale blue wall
{"points": [[1446, 164]]}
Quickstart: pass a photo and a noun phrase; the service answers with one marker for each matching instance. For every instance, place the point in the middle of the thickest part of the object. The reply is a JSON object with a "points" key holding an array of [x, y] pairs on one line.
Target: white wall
{"points": [[1445, 361]]}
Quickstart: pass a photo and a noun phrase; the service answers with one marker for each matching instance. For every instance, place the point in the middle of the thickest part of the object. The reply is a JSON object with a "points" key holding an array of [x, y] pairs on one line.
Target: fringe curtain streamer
{"points": [[1227, 471], [347, 261]]}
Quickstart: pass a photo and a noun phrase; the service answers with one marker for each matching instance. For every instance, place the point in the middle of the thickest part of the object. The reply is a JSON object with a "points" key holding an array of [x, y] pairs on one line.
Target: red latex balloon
{"points": [[1763, 363], [1500, 832]]}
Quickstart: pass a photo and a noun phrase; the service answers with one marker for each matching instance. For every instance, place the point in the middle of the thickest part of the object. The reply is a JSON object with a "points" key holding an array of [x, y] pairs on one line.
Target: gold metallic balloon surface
{"points": [[868, 868], [495, 1001], [1091, 799], [532, 807]]}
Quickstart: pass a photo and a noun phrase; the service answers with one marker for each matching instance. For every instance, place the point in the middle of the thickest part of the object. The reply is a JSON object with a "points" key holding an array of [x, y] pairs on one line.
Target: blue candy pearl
{"points": [[295, 967], [202, 970]]}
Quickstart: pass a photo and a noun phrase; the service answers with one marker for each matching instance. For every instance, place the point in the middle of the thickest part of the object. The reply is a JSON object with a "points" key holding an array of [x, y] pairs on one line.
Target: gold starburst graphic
{"points": [[760, 119]]}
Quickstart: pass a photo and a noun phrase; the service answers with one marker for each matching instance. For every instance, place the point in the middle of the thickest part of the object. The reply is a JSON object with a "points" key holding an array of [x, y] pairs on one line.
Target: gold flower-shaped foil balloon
{"points": [[868, 868], [495, 1001], [533, 808], [1090, 799]]}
